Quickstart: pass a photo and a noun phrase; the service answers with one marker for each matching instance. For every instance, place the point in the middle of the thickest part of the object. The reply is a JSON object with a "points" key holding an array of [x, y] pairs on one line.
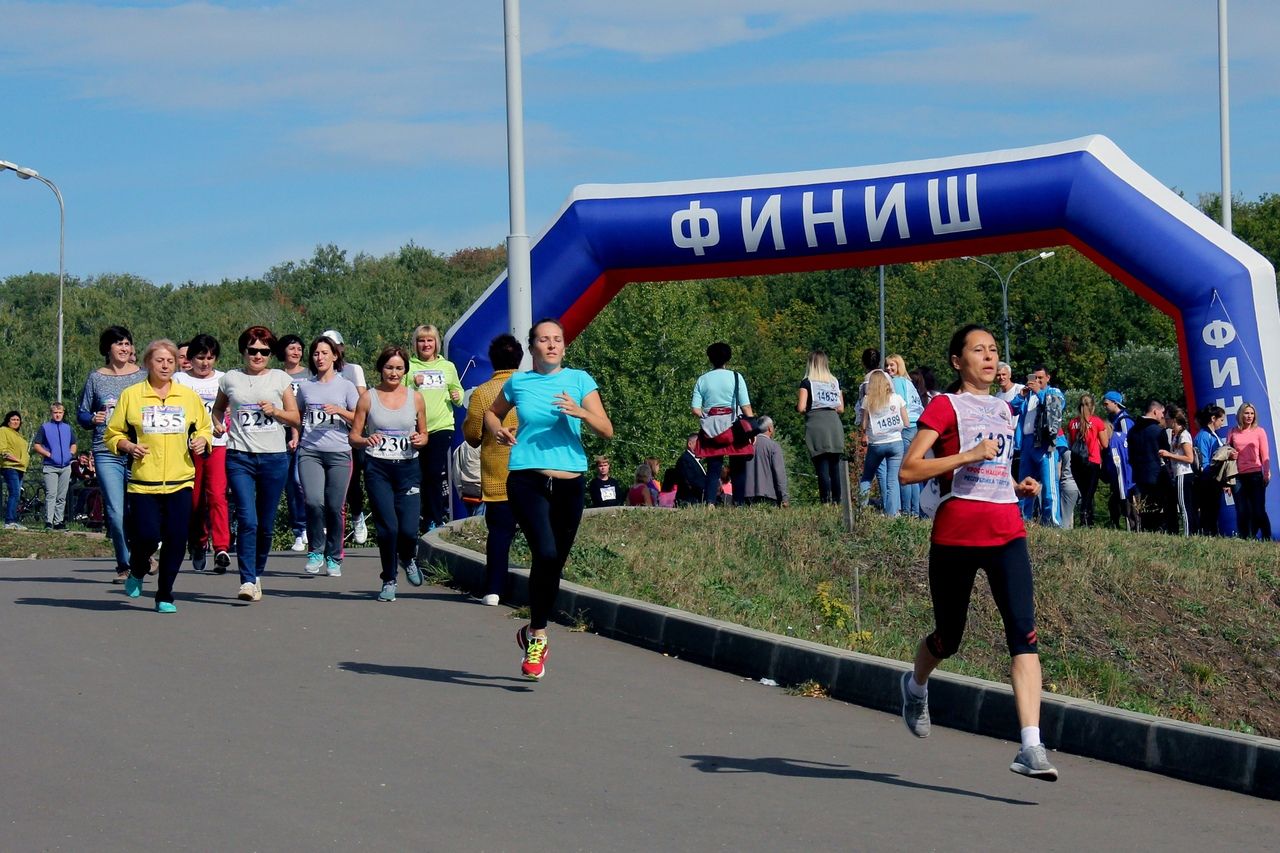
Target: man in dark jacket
{"points": [[691, 477], [604, 490], [1150, 477]]}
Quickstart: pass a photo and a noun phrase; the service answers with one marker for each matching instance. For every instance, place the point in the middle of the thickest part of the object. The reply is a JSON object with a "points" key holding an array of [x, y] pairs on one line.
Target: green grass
{"points": [[53, 545], [1182, 628]]}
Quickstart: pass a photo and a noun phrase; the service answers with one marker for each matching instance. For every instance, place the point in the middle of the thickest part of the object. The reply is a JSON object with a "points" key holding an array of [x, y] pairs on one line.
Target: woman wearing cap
{"points": [[436, 379], [260, 402], [545, 483], [289, 350], [161, 426], [354, 374], [98, 400], [977, 526]]}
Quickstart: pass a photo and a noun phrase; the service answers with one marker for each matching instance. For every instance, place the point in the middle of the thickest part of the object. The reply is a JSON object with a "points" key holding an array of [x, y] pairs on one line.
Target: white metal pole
{"points": [[1224, 114], [883, 354], [519, 273]]}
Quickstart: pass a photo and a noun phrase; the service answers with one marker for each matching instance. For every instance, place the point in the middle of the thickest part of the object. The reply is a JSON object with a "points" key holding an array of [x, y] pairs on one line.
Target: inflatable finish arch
{"points": [[1085, 193]]}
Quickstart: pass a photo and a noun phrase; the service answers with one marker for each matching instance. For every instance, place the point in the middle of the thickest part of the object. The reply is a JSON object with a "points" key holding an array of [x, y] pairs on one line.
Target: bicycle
{"points": [[31, 501]]}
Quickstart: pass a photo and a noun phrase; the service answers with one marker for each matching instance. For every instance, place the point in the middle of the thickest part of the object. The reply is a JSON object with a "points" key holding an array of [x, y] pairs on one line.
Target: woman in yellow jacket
{"points": [[13, 462], [159, 425]]}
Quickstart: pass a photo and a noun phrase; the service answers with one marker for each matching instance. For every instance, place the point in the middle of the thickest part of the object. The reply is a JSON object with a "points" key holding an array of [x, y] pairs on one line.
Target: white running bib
{"points": [[163, 420], [979, 418], [315, 417], [252, 419], [394, 446], [430, 379]]}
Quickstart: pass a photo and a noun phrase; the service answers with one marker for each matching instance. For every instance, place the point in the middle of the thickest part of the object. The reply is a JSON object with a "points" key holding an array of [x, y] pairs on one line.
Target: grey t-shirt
{"points": [[323, 432], [394, 425], [252, 431], [101, 391]]}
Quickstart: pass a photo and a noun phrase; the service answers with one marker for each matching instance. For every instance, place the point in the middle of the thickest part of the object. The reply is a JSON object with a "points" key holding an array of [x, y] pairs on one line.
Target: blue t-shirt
{"points": [[1207, 441], [715, 388], [547, 438]]}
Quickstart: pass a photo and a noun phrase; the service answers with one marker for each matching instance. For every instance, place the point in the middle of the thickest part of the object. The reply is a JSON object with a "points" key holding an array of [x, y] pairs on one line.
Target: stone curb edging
{"points": [[1238, 762]]}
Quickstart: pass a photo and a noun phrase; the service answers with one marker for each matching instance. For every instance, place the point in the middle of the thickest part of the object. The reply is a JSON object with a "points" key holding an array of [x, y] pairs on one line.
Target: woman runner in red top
{"points": [[977, 526]]}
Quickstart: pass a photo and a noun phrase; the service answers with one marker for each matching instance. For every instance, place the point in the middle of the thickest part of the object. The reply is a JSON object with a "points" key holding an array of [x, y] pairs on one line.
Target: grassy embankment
{"points": [[49, 545], [1180, 628]]}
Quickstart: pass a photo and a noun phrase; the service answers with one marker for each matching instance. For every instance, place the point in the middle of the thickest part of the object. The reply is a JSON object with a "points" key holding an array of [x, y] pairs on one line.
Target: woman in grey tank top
{"points": [[395, 420]]}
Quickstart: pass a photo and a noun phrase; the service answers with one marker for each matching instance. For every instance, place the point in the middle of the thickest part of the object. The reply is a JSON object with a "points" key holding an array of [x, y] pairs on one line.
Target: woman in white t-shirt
{"points": [[1179, 461], [883, 417], [260, 403]]}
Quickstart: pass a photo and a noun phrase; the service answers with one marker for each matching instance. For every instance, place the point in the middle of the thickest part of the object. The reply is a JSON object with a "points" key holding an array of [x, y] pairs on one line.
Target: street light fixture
{"points": [[1004, 291], [26, 175]]}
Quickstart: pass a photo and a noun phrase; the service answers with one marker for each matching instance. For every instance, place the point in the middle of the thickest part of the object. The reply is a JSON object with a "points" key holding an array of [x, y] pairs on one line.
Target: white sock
{"points": [[1030, 736], [918, 691]]}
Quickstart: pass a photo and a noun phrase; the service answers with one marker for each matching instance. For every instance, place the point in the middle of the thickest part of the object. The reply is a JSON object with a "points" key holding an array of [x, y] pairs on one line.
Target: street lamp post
{"points": [[26, 175], [1004, 290]]}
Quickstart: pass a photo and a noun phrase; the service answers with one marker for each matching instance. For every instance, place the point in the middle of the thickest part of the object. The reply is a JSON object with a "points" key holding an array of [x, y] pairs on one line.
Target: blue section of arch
{"points": [[599, 243]]}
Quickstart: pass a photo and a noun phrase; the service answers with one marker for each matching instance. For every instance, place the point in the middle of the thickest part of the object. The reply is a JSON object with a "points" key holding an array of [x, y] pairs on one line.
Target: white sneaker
{"points": [[299, 544], [491, 600], [247, 592], [361, 532], [257, 590]]}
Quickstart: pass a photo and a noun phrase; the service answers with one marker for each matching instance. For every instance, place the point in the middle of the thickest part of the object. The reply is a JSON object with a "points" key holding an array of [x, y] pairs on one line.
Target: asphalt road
{"points": [[319, 719]]}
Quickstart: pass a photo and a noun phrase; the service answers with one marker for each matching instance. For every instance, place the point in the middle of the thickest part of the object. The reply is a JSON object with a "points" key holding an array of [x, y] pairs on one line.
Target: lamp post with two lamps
{"points": [[1004, 290], [26, 175]]}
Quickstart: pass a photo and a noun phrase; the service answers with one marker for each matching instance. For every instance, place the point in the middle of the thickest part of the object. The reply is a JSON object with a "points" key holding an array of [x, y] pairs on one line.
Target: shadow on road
{"points": [[444, 676], [113, 603], [820, 770], [57, 579]]}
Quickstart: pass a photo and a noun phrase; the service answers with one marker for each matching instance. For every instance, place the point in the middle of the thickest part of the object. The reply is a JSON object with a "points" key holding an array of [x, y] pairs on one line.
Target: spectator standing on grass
{"points": [[547, 464], [1115, 462], [640, 493], [57, 444], [13, 462], [691, 476], [1008, 389], [767, 470], [505, 354], [1088, 433], [907, 390], [977, 526], [821, 402], [1209, 490], [1068, 490], [603, 490], [87, 500], [1150, 476], [1040, 407], [1179, 460], [720, 396], [102, 389], [883, 417], [1253, 461]]}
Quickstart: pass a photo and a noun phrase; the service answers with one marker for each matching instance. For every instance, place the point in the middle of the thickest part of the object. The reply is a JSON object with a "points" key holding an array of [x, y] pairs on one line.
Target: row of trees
{"points": [[647, 347]]}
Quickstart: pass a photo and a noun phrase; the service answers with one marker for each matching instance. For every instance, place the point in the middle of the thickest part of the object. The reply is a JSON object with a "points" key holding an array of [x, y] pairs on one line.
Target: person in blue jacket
{"points": [[1115, 461]]}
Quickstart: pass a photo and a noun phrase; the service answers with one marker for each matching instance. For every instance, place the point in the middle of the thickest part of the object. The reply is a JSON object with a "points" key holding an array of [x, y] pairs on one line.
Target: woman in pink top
{"points": [[1253, 459]]}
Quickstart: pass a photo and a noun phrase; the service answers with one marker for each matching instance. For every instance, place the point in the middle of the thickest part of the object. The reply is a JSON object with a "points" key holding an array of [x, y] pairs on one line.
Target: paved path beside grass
{"points": [[319, 719]]}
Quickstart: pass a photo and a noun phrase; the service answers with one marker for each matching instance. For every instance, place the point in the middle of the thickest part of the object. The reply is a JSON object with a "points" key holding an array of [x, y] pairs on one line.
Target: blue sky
{"points": [[197, 141]]}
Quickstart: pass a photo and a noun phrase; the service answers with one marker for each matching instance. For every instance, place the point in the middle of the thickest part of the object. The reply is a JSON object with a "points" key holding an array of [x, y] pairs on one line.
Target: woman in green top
{"points": [[13, 461], [436, 379]]}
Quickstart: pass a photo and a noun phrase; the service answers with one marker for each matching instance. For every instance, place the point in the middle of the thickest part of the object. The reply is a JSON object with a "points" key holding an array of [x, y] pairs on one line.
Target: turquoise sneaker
{"points": [[413, 573], [315, 562], [166, 607], [132, 586], [333, 567]]}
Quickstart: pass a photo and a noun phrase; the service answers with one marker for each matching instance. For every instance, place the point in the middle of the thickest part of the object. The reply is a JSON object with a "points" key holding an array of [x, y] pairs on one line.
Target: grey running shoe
{"points": [[412, 573], [915, 712], [1032, 761], [388, 592]]}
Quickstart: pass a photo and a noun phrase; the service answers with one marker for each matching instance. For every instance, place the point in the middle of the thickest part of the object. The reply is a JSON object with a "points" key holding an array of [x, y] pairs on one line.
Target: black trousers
{"points": [[549, 511], [159, 521], [396, 502], [501, 525], [434, 460]]}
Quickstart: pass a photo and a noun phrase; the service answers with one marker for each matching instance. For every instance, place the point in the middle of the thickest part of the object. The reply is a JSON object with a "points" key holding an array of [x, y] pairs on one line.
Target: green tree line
{"points": [[648, 346]]}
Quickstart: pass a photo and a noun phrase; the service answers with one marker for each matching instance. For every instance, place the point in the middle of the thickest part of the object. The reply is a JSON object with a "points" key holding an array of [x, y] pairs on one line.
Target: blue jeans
{"points": [[12, 482], [891, 455], [256, 481], [113, 477], [911, 493]]}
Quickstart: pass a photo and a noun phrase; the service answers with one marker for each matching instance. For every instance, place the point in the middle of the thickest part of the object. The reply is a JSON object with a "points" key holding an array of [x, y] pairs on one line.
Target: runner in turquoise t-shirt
{"points": [[545, 483]]}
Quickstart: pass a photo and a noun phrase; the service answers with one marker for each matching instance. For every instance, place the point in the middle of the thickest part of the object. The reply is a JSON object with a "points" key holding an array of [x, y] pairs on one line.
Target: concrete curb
{"points": [[1237, 762]]}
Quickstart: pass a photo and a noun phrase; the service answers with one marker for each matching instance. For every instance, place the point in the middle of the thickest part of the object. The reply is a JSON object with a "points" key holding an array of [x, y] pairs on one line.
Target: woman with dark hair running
{"points": [[162, 427], [98, 400], [547, 464], [209, 514], [977, 526], [261, 405], [396, 419]]}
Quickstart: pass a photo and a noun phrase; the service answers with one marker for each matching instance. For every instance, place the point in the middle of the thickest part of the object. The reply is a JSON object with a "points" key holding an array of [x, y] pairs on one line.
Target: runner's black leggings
{"points": [[548, 511], [952, 571]]}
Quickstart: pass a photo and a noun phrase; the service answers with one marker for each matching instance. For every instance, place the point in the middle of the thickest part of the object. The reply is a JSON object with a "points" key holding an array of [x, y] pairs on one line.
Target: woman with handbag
{"points": [[720, 400], [1087, 434]]}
